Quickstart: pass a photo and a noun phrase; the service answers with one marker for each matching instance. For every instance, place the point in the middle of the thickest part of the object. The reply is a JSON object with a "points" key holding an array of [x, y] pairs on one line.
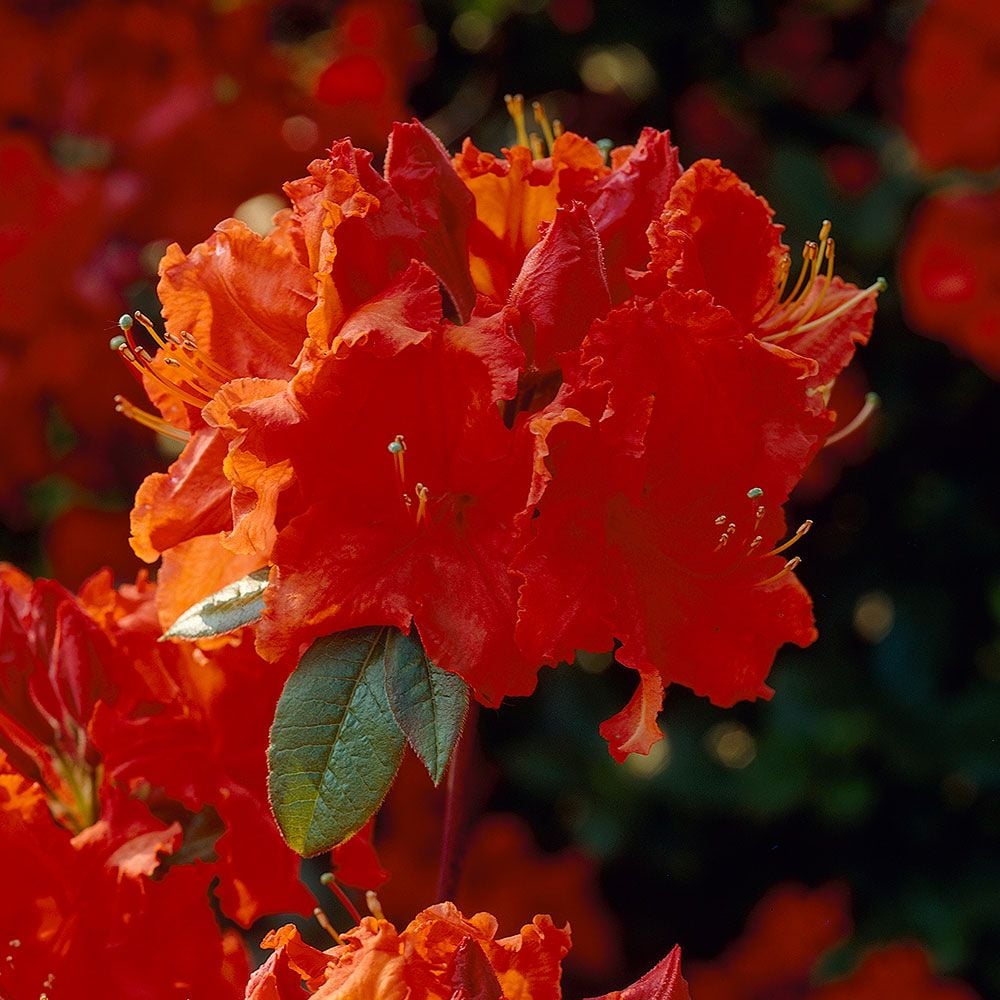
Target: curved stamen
{"points": [[871, 404], [784, 571], [515, 108], [150, 420], [803, 529]]}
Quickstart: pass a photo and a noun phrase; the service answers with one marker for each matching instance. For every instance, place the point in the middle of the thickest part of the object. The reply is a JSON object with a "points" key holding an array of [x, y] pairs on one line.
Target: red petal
{"points": [[191, 498], [442, 208], [634, 728], [548, 311], [716, 234], [663, 982], [242, 297]]}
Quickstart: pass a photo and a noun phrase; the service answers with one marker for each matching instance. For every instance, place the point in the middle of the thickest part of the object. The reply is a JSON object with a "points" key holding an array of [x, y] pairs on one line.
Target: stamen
{"points": [[756, 541], [189, 344], [723, 542], [515, 108], [809, 251], [422, 495], [784, 571], [135, 360], [871, 404], [324, 921], [537, 147], [543, 120], [374, 906], [328, 879], [784, 270], [875, 288], [193, 373], [818, 301], [802, 529], [557, 127], [397, 448], [150, 420]]}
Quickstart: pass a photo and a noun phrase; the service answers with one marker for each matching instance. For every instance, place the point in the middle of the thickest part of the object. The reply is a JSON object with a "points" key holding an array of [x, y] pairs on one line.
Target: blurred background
{"points": [[128, 124]]}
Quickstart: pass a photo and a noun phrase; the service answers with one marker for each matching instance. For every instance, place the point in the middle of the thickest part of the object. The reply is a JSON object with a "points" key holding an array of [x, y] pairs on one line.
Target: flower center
{"points": [[397, 449], [731, 539]]}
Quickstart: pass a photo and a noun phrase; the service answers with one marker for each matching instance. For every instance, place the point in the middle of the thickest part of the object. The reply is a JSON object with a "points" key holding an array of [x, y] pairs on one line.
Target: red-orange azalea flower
{"points": [[563, 470], [440, 955]]}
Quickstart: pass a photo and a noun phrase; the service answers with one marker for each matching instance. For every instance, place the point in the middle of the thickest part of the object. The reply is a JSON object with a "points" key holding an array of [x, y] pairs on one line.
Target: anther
{"points": [[374, 906], [784, 571], [721, 519], [324, 921], [422, 495], [125, 321], [754, 493], [723, 542], [117, 342], [515, 108], [537, 146], [756, 541], [802, 529], [557, 127]]}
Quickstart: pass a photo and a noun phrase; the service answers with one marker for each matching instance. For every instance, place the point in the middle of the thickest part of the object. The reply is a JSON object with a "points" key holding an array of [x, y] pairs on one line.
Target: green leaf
{"points": [[429, 703], [235, 605], [335, 746]]}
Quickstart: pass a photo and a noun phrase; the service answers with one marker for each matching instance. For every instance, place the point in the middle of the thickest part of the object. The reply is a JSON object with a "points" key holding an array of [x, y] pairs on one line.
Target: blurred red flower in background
{"points": [[123, 122], [952, 85], [951, 273], [787, 935]]}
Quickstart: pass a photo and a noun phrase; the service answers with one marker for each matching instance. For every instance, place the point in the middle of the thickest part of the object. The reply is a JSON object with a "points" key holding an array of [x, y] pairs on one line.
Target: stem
{"points": [[456, 808]]}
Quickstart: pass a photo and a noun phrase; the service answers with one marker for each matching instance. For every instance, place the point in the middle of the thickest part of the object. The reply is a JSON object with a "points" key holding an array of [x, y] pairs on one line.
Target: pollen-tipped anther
{"points": [[515, 108], [422, 496], [754, 493], [802, 529], [784, 571]]}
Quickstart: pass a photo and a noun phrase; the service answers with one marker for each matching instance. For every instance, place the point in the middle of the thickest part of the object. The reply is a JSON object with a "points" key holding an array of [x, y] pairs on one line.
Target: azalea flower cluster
{"points": [[951, 262], [123, 122], [526, 404]]}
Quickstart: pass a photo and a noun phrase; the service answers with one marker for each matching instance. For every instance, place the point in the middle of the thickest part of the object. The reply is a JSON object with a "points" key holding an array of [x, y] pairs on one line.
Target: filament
{"points": [[784, 571], [803, 529], [150, 420], [871, 404], [515, 108]]}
